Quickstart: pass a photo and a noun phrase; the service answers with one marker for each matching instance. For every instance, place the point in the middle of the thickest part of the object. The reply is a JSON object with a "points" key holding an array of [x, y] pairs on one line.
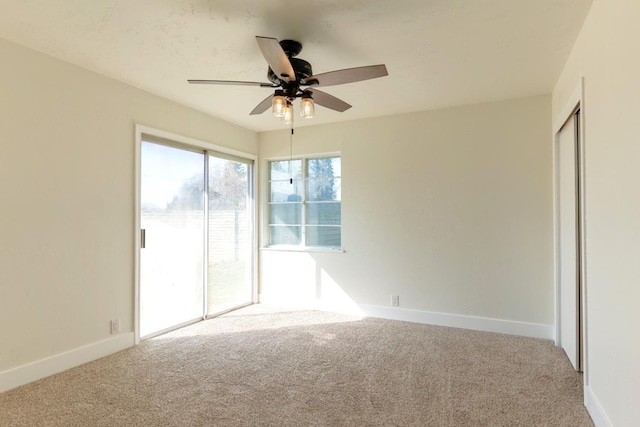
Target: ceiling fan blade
{"points": [[263, 106], [230, 82], [348, 75], [276, 58], [329, 101]]}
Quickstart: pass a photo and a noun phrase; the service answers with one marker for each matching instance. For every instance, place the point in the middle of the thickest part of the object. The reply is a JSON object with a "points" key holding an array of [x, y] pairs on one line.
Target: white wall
{"points": [[67, 200], [449, 209], [607, 54]]}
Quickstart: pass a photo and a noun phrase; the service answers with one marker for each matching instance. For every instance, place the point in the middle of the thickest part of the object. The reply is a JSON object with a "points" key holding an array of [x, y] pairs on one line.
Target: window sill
{"points": [[301, 249]]}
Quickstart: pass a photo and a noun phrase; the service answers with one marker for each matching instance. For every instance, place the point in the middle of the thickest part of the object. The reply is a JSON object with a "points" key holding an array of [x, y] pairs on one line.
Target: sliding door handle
{"points": [[143, 238]]}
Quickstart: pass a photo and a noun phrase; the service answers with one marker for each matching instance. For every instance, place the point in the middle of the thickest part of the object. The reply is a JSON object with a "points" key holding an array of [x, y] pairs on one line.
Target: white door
{"points": [[569, 239]]}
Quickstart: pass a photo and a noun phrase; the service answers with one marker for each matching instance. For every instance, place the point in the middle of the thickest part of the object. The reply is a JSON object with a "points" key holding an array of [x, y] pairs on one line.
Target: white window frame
{"points": [[302, 247]]}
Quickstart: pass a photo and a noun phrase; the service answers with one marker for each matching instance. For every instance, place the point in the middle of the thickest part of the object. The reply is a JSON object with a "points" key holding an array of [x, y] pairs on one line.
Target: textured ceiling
{"points": [[439, 53]]}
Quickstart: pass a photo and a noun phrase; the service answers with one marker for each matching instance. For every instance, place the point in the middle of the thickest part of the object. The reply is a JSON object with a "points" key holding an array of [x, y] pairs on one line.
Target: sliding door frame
{"points": [[209, 148]]}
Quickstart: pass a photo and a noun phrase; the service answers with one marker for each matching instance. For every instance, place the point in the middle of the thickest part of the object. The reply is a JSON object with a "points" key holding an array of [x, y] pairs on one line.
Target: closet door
{"points": [[569, 240]]}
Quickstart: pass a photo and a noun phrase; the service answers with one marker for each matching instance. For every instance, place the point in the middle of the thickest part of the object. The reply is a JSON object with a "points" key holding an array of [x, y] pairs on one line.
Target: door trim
{"points": [[575, 103], [141, 130]]}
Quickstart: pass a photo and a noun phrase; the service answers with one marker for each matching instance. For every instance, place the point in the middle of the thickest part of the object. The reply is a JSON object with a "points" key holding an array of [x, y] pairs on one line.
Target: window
{"points": [[304, 202]]}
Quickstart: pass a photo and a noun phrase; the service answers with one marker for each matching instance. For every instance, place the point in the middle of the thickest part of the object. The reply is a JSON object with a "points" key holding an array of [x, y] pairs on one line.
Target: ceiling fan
{"points": [[293, 78]]}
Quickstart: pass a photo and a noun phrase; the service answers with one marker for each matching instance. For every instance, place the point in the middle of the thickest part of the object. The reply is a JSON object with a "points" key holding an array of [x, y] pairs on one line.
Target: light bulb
{"points": [[287, 118], [278, 104], [307, 109]]}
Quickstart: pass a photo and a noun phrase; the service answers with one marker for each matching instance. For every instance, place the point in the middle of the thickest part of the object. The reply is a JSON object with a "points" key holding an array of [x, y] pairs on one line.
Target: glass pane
{"points": [[321, 168], [324, 189], [323, 236], [285, 235], [286, 192], [284, 170], [323, 213], [171, 270], [285, 213], [227, 184], [230, 253]]}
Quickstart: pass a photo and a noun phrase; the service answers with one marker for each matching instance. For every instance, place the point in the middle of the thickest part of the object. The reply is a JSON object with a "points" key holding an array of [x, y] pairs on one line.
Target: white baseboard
{"points": [[534, 330], [598, 415], [510, 327], [33, 371]]}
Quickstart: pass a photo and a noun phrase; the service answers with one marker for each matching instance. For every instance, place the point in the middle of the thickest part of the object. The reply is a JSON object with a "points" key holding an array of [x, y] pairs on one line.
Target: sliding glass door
{"points": [[172, 219], [230, 249], [196, 218]]}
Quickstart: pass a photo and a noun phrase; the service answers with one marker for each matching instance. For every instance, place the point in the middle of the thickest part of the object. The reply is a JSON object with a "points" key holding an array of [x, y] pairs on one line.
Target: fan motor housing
{"points": [[301, 67], [291, 47]]}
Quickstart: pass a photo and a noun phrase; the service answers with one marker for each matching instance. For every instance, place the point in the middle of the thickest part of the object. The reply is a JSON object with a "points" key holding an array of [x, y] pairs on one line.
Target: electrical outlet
{"points": [[115, 326], [395, 300]]}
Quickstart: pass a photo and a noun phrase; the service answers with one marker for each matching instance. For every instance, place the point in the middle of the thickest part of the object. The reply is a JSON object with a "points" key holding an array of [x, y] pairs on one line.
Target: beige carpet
{"points": [[308, 368]]}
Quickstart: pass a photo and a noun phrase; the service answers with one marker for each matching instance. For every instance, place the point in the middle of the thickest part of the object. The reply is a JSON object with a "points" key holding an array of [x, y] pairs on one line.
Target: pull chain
{"points": [[291, 152]]}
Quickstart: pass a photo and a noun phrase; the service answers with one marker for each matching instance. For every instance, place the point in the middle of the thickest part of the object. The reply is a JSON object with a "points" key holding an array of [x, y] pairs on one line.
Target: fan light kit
{"points": [[288, 75]]}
